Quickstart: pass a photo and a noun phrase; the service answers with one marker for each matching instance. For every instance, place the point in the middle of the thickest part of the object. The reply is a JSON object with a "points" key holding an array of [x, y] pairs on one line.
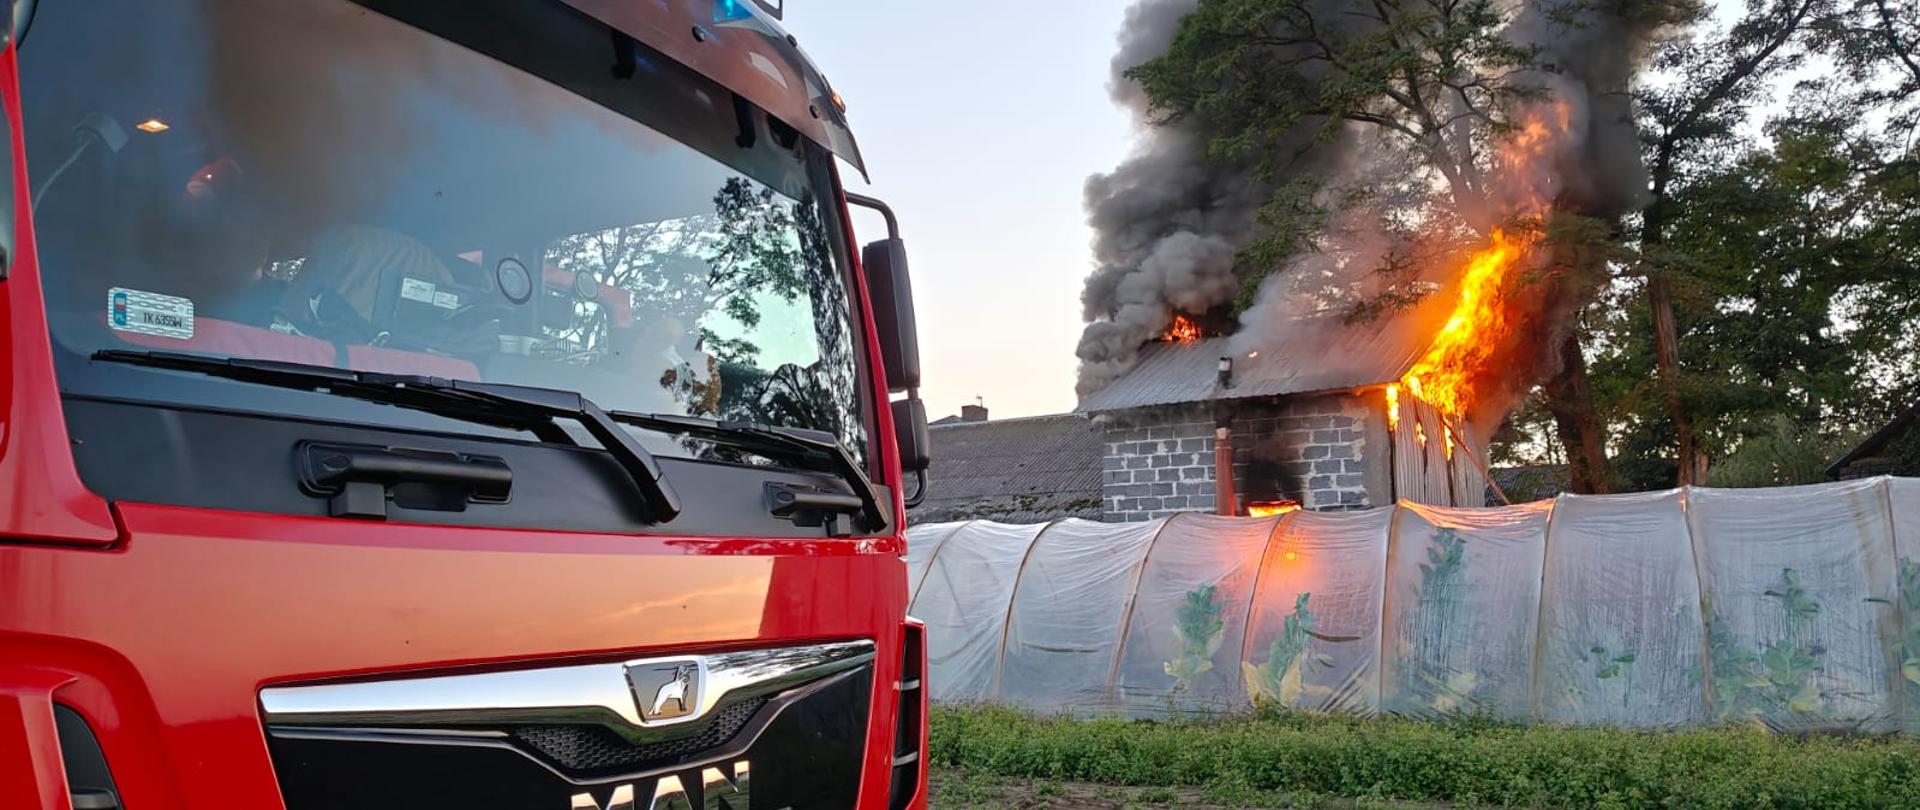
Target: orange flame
{"points": [[1182, 329], [1271, 508], [1526, 190], [1478, 324]]}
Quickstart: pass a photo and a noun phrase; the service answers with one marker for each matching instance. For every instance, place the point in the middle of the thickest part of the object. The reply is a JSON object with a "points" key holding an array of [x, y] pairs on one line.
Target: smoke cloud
{"points": [[1169, 220]]}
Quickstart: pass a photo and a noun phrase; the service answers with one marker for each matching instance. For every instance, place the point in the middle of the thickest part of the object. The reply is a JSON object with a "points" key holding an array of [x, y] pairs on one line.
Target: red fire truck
{"points": [[407, 403]]}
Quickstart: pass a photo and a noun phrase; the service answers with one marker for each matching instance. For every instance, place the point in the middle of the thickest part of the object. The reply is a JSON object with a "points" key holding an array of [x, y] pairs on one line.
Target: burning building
{"points": [[1198, 426], [1340, 415]]}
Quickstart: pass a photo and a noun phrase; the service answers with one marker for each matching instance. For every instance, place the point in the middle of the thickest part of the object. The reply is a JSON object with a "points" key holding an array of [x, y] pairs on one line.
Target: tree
{"points": [[757, 248], [1799, 269], [1717, 78], [1270, 79]]}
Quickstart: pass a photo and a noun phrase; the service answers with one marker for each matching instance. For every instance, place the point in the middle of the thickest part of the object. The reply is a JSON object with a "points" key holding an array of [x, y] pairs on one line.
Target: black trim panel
{"points": [[181, 456]]}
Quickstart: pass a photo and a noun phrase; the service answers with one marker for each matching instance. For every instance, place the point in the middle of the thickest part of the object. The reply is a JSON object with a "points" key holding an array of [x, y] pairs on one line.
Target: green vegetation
{"points": [[1318, 760], [1278, 680], [1910, 638], [1199, 628], [1432, 628], [1778, 680]]}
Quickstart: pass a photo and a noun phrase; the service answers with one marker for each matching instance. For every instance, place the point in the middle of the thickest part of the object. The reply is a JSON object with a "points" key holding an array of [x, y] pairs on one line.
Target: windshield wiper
{"points": [[510, 406], [784, 441]]}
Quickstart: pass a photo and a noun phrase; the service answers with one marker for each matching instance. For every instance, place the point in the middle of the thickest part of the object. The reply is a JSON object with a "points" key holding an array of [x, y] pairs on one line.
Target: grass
{"points": [[1351, 761]]}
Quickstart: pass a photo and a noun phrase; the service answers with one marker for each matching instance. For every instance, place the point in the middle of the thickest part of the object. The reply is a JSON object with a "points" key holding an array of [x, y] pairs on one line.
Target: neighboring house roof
{"points": [[1880, 441], [1531, 482], [1338, 357], [1014, 470]]}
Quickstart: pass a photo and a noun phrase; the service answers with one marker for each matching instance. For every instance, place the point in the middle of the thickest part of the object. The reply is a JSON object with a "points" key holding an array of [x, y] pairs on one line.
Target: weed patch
{"points": [[1472, 762]]}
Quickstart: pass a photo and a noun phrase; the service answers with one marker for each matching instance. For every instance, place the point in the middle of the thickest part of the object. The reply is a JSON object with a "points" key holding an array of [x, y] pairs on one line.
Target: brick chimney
{"points": [[973, 413]]}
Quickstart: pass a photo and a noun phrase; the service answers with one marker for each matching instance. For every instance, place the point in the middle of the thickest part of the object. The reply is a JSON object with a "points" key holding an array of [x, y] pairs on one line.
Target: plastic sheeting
{"points": [[963, 599], [1184, 631], [1314, 640], [1463, 591], [1906, 547], [1800, 616], [1797, 608], [1620, 632], [1062, 635]]}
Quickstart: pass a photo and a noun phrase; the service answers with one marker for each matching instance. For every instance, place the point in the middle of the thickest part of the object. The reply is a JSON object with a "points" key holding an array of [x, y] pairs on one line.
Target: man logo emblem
{"points": [[667, 690]]}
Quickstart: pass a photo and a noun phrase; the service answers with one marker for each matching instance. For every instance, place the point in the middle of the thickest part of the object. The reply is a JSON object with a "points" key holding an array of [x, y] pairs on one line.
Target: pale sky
{"points": [[979, 122]]}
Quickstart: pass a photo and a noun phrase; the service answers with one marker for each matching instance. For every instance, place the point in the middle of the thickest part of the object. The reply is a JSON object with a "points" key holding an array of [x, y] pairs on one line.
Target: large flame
{"points": [[1477, 326], [1182, 329]]}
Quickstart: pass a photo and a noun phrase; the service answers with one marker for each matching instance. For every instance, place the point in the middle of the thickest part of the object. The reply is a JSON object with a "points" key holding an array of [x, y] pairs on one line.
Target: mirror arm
{"points": [[886, 212]]}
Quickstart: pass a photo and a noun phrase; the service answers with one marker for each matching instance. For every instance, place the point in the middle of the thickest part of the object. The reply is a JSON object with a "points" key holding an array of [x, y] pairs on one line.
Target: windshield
{"points": [[317, 181]]}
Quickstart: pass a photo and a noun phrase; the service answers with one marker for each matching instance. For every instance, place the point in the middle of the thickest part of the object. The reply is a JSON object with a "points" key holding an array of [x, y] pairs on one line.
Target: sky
{"points": [[980, 122]]}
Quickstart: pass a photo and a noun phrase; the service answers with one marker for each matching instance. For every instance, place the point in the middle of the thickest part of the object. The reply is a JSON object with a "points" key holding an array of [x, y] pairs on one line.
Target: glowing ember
{"points": [[1447, 433], [1182, 329], [1444, 378], [1393, 407], [1271, 508], [1420, 432]]}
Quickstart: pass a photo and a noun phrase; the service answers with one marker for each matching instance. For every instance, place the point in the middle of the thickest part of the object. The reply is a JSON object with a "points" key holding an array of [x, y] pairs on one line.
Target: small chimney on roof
{"points": [[976, 412]]}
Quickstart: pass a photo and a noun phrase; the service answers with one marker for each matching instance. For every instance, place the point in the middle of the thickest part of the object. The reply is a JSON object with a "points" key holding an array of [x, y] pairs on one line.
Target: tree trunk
{"points": [[1570, 399], [1666, 334], [1666, 357]]}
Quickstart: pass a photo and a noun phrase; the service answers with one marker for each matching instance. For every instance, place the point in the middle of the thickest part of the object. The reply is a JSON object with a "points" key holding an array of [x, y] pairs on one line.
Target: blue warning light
{"points": [[731, 11]]}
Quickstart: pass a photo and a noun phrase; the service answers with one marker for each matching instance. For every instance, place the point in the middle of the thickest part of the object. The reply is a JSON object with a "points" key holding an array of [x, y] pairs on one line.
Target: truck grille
{"points": [[591, 749], [776, 727]]}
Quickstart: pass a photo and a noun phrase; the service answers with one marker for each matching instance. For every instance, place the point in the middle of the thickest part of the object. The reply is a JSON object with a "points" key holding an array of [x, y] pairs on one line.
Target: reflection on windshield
{"points": [[336, 187]]}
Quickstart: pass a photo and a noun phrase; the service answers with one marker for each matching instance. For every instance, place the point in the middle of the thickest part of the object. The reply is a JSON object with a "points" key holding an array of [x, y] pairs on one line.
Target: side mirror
{"points": [[886, 264], [910, 432]]}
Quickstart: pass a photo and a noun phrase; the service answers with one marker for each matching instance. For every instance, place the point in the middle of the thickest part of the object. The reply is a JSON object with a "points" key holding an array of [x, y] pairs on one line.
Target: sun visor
{"points": [[736, 44]]}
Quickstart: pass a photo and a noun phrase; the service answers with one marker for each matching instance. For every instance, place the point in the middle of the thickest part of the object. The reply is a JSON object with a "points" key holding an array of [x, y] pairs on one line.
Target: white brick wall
{"points": [[1159, 461]]}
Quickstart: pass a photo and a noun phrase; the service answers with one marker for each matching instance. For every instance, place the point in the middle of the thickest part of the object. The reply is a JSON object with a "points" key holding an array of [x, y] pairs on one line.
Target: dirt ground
{"points": [[957, 790]]}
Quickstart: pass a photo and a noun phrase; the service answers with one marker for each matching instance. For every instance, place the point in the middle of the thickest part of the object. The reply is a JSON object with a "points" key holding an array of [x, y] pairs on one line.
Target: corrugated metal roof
{"points": [[1337, 357], [1014, 470]]}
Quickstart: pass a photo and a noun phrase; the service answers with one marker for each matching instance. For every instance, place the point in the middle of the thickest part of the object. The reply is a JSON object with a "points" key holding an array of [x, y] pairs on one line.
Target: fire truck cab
{"points": [[447, 405]]}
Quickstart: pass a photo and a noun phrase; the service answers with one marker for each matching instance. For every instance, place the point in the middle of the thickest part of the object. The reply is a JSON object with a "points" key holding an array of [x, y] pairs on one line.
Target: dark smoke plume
{"points": [[1170, 219], [1167, 221]]}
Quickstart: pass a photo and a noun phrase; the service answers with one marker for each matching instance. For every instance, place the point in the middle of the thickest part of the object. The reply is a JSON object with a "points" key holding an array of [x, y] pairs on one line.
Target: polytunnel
{"points": [[1797, 608]]}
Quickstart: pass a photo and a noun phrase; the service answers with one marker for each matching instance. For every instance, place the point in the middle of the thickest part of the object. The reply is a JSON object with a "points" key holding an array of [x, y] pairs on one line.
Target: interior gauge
{"points": [[515, 282], [586, 287]]}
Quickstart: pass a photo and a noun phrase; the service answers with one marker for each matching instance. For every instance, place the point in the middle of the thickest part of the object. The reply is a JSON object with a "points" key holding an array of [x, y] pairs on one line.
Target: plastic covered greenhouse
{"points": [[1795, 607]]}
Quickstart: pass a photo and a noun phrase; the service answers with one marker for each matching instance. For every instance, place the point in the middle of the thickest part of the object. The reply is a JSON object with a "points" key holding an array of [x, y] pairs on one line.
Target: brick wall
{"points": [[1159, 461]]}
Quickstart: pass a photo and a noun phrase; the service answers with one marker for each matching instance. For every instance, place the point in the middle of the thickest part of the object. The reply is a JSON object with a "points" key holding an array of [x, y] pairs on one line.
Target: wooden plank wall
{"points": [[1423, 473]]}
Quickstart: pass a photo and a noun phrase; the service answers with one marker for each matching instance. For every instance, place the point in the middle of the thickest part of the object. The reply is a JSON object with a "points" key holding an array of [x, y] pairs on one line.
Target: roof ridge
{"points": [[1014, 419]]}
